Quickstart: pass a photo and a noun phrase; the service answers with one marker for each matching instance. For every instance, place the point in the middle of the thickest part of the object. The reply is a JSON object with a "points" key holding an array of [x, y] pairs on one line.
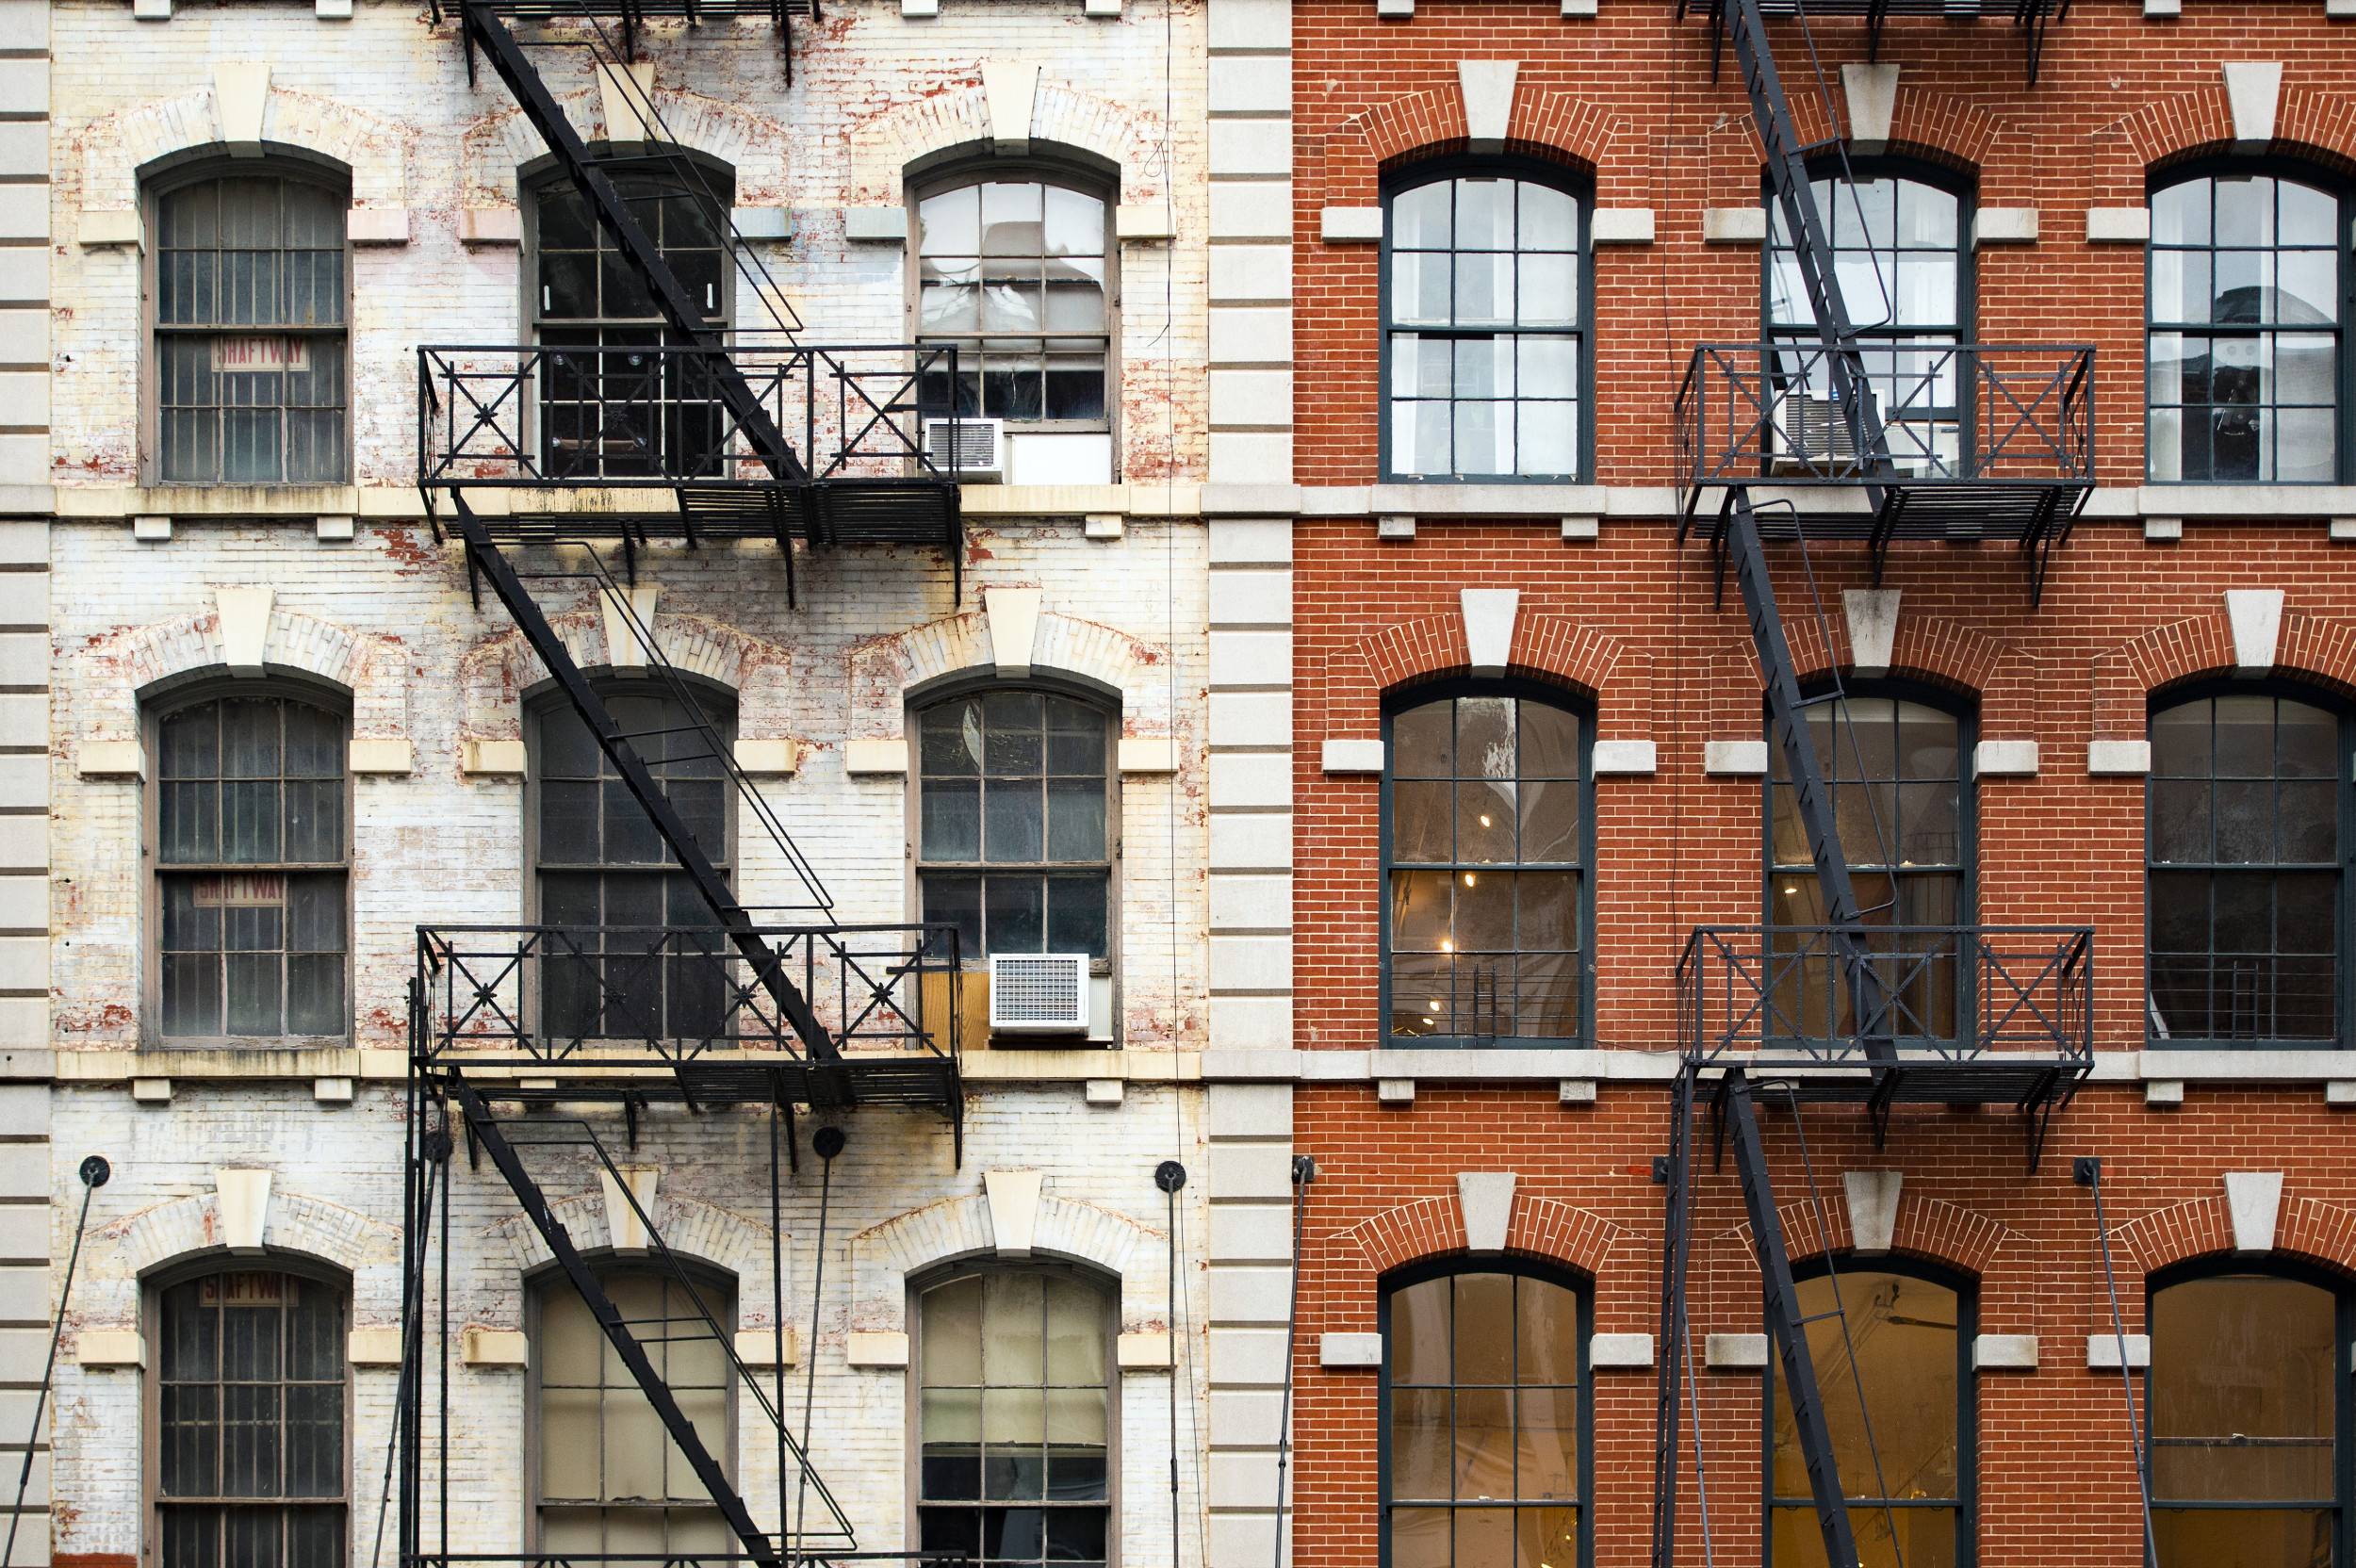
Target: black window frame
{"points": [[1522, 1267], [1069, 171], [2344, 780], [2343, 189], [153, 1289], [170, 178], [1570, 182], [2344, 1387], [975, 957], [154, 711], [1407, 698], [1908, 1265], [1108, 1287], [1803, 334]]}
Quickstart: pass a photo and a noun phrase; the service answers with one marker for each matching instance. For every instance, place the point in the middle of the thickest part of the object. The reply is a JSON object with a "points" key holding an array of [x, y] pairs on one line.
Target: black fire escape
{"points": [[1821, 441], [712, 435]]}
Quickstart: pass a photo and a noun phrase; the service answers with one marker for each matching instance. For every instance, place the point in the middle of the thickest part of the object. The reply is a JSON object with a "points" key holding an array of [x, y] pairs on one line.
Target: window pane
{"points": [[2241, 1538], [1904, 1333], [2242, 1391]]}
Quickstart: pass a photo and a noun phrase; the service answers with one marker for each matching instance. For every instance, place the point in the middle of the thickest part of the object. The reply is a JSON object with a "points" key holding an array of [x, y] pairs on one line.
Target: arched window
{"points": [[602, 871], [251, 327], [1894, 767], [1015, 822], [2246, 1414], [1902, 1421], [1014, 268], [1485, 1430], [1902, 256], [2244, 892], [628, 412], [607, 1478], [1484, 300], [1015, 1417], [252, 1404], [1489, 828], [2245, 299], [251, 869]]}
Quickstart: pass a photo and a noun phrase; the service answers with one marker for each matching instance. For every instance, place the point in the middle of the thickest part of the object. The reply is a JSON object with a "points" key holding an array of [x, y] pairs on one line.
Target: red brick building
{"points": [[1488, 749]]}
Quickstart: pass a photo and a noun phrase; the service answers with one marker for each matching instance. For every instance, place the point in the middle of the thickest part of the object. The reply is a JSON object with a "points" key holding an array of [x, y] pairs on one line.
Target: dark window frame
{"points": [[172, 175], [1801, 335], [153, 709], [1109, 706], [941, 176], [2341, 187], [1108, 1287], [152, 1287], [2345, 999], [549, 1278], [2343, 1388], [1406, 698], [1967, 1289], [1570, 182], [1546, 1272], [720, 707]]}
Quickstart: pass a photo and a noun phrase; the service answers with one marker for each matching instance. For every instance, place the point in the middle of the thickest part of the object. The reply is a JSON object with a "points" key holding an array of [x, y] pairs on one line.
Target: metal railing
{"points": [[1952, 413], [553, 993], [652, 415], [1954, 992]]}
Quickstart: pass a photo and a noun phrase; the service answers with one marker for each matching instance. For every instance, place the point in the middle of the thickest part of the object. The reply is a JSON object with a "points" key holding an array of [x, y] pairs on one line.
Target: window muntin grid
{"points": [[2243, 351], [250, 869], [1906, 1335], [625, 413], [1893, 771], [2243, 1414], [1898, 256], [1013, 800], [1014, 1417], [250, 1404], [1482, 305], [249, 334], [600, 863], [1014, 273], [1482, 1423], [2244, 833], [610, 1480], [1488, 826]]}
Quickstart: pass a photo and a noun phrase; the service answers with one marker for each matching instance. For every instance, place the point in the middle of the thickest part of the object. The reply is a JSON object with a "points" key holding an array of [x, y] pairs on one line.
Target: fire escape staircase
{"points": [[725, 1010], [1859, 1011]]}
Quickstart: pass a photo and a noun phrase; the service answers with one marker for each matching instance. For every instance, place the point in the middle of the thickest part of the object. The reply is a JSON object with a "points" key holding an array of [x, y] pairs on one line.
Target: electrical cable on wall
{"points": [[1304, 1171], [94, 1173], [2087, 1171], [826, 1143], [1169, 1176]]}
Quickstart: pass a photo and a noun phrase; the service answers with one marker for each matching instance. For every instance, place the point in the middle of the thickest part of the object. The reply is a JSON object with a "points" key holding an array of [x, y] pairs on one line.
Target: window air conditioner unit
{"points": [[1813, 433], [979, 447], [1039, 993]]}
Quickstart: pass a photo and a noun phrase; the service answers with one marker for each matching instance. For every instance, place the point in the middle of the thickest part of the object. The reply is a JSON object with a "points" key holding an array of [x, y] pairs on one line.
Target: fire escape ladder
{"points": [[484, 28], [1787, 1324], [1675, 1175], [483, 556], [765, 1551], [1787, 175]]}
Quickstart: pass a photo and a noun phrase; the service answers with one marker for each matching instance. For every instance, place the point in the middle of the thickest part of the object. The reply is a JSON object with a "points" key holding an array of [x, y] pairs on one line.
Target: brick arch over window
{"points": [[298, 1223], [2306, 1229], [1556, 126], [116, 672], [883, 1256], [2315, 648], [2310, 125], [497, 672], [1724, 1270], [493, 146], [1937, 127], [1961, 1238], [697, 1232], [1556, 649], [116, 148], [885, 669], [1540, 1228], [883, 145]]}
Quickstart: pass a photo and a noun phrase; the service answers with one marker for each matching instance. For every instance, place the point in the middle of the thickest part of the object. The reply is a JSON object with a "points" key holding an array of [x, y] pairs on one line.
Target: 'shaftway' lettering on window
{"points": [[242, 890], [262, 355], [241, 1290]]}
